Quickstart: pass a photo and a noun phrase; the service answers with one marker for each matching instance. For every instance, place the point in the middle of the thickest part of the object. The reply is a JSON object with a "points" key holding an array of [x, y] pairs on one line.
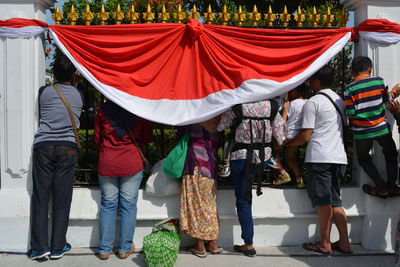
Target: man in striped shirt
{"points": [[365, 102]]}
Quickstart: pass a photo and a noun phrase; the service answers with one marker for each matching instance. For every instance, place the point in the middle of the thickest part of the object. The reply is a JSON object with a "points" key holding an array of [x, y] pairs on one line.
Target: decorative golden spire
{"points": [[179, 15], [132, 16], [269, 17], [148, 15], [57, 16], [72, 16], [284, 17], [240, 17], [329, 18], [87, 16], [163, 16], [224, 16], [299, 17], [343, 18], [209, 16], [255, 16], [118, 15], [194, 14], [103, 15], [314, 17]]}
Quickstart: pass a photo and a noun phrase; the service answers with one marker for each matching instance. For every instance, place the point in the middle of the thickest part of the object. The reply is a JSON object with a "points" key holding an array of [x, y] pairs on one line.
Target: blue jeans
{"points": [[52, 175], [125, 190], [243, 207]]}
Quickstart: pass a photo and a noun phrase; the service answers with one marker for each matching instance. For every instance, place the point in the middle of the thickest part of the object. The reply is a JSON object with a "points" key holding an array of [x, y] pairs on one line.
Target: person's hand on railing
{"points": [[393, 106]]}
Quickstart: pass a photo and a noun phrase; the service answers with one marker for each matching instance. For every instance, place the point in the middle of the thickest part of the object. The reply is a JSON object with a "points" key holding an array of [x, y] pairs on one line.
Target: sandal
{"points": [[314, 247], [218, 251], [335, 246], [373, 192], [198, 254]]}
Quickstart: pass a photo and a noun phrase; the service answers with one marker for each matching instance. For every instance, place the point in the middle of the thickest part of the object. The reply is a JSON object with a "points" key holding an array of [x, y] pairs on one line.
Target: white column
{"points": [[22, 72], [381, 215]]}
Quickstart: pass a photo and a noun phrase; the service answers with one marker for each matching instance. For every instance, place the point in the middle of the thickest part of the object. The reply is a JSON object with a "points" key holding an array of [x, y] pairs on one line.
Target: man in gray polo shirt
{"points": [[53, 162], [322, 128]]}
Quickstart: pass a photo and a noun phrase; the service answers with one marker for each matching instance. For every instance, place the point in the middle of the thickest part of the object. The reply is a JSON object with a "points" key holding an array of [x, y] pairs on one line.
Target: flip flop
{"points": [[200, 255], [335, 246], [219, 251], [314, 247], [366, 188]]}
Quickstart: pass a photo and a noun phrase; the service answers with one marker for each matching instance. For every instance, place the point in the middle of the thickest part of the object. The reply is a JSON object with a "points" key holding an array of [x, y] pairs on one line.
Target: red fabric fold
{"points": [[195, 28], [20, 23], [166, 61], [379, 25]]}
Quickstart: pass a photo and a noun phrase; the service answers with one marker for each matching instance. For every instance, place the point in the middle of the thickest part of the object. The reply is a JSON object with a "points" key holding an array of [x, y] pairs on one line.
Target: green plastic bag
{"points": [[161, 247], [175, 162]]}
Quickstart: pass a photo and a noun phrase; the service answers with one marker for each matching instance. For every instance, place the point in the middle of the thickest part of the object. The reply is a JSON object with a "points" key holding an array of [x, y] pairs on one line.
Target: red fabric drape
{"points": [[177, 61]]}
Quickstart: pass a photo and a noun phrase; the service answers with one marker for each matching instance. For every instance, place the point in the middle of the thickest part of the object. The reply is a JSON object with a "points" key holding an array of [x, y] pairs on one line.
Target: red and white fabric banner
{"points": [[186, 73], [181, 74], [22, 28], [379, 30]]}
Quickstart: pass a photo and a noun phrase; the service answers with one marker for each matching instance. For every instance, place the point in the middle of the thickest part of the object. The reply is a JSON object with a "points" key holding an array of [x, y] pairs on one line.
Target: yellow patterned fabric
{"points": [[198, 217]]}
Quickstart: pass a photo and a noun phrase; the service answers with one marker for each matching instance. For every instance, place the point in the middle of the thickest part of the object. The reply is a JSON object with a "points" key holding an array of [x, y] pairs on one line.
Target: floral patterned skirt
{"points": [[198, 217]]}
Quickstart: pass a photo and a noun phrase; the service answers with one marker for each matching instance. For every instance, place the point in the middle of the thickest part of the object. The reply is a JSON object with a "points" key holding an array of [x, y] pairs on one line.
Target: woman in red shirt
{"points": [[120, 172]]}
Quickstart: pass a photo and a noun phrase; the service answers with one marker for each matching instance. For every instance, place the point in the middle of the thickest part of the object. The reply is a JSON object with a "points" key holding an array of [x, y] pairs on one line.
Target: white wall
{"points": [[22, 72]]}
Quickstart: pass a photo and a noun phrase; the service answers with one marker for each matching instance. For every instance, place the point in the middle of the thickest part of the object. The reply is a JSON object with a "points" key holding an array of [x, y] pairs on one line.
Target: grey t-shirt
{"points": [[55, 125]]}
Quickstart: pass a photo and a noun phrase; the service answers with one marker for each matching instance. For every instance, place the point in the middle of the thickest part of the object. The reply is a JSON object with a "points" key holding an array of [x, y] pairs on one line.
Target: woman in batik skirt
{"points": [[198, 211]]}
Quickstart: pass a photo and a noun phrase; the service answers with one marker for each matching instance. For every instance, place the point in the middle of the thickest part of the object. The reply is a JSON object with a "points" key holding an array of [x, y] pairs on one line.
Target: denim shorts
{"points": [[323, 183]]}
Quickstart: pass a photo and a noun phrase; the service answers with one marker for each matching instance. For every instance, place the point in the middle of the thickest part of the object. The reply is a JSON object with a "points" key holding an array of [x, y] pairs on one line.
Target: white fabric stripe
{"points": [[360, 129], [25, 32], [368, 104], [380, 37], [184, 112]]}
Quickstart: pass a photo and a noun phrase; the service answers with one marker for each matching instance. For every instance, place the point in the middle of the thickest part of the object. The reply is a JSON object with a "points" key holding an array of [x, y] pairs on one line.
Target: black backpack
{"points": [[250, 175]]}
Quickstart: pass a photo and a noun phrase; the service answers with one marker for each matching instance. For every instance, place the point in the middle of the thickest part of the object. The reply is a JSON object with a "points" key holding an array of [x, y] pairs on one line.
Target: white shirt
{"points": [[294, 117], [326, 143]]}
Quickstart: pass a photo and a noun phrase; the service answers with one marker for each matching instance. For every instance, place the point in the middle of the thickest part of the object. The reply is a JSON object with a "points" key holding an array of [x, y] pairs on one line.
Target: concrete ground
{"points": [[271, 256]]}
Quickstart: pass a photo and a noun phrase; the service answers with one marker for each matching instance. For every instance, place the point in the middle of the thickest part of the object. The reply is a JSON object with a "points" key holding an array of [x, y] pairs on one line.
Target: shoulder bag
{"points": [[175, 162], [146, 163]]}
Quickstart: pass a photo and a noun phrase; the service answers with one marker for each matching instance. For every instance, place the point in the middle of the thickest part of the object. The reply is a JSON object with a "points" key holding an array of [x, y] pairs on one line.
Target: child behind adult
{"points": [[365, 99], [292, 115]]}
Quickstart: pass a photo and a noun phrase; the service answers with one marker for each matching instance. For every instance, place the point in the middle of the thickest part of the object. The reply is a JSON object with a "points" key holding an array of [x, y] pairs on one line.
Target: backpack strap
{"points": [[274, 110], [251, 174], [261, 152], [237, 110]]}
